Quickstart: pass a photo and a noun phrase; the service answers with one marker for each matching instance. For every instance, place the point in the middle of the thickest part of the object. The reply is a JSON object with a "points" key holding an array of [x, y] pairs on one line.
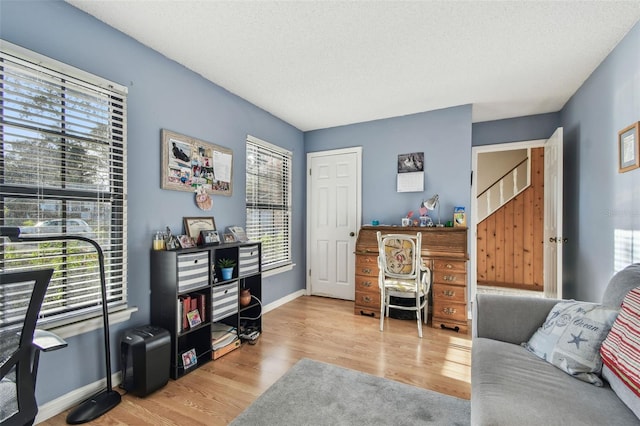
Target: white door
{"points": [[333, 221], [553, 240]]}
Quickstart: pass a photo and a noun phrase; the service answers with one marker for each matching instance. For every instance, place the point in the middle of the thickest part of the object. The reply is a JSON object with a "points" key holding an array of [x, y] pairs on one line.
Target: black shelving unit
{"points": [[178, 274]]}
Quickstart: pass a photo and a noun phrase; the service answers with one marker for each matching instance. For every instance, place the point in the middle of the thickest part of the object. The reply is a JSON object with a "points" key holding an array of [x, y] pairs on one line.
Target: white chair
{"points": [[402, 274]]}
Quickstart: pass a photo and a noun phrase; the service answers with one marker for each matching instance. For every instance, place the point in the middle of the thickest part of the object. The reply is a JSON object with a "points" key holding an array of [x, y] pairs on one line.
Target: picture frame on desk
{"points": [[186, 241], [194, 225], [238, 233], [229, 238], [209, 237]]}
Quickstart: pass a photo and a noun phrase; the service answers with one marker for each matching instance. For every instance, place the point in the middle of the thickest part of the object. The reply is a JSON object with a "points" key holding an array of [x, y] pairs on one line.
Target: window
{"points": [[269, 201], [63, 171]]}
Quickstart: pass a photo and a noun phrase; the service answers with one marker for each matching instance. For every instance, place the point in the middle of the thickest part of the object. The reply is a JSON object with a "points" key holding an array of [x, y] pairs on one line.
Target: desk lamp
{"points": [[431, 204], [105, 400]]}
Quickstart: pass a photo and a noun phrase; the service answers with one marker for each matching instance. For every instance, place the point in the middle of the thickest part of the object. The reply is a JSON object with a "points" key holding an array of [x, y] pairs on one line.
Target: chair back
{"points": [[399, 255], [21, 296]]}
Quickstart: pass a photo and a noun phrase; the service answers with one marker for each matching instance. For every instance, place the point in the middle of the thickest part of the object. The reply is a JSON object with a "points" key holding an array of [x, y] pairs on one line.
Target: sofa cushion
{"points": [[621, 352], [571, 337], [620, 284], [511, 386]]}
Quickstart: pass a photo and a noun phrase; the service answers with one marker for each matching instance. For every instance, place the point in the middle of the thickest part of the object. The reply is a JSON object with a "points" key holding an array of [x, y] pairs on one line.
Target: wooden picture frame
{"points": [[194, 225], [189, 163], [629, 148]]}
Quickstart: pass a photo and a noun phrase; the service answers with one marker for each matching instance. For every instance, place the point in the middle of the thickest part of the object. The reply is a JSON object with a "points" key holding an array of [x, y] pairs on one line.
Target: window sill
{"points": [[95, 323], [278, 270]]}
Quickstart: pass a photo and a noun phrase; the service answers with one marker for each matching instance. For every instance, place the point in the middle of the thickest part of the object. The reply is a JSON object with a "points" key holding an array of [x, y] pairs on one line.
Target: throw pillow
{"points": [[571, 336], [621, 352]]}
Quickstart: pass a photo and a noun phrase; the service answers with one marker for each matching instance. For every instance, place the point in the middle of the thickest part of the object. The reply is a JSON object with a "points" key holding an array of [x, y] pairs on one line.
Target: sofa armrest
{"points": [[511, 319]]}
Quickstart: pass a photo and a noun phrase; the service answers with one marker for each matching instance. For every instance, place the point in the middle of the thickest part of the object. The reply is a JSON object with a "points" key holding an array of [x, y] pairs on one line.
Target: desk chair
{"points": [[403, 275], [21, 296]]}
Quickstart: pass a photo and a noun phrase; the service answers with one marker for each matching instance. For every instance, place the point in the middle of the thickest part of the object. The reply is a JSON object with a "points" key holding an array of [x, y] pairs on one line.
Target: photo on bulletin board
{"points": [[188, 163]]}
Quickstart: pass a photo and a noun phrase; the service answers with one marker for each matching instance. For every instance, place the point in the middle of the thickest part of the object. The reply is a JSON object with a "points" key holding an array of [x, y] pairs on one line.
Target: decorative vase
{"points": [[227, 273], [245, 297]]}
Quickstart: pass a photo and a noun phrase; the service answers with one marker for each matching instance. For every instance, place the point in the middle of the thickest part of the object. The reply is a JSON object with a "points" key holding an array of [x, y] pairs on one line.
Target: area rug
{"points": [[316, 393]]}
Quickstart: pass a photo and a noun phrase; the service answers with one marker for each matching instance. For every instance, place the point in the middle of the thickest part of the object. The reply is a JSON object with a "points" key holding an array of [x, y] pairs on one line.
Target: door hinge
{"points": [[309, 272], [309, 172]]}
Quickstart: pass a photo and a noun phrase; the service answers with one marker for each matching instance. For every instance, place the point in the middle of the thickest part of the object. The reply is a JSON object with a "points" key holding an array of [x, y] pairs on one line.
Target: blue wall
{"points": [[443, 135], [602, 206], [518, 129], [162, 94]]}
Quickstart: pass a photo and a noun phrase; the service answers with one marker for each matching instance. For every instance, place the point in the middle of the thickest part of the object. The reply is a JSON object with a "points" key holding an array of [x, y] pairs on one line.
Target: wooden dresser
{"points": [[444, 251]]}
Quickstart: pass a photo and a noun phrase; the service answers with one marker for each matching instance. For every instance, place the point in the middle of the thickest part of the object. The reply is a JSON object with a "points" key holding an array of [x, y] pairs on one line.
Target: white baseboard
{"points": [[286, 299], [75, 397]]}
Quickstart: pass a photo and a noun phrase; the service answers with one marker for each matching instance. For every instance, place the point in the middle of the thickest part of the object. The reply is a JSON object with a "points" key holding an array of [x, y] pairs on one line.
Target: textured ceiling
{"points": [[319, 64]]}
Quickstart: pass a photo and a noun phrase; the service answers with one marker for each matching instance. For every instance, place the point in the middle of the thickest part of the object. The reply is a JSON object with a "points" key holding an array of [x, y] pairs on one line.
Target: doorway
{"points": [[515, 249], [334, 216]]}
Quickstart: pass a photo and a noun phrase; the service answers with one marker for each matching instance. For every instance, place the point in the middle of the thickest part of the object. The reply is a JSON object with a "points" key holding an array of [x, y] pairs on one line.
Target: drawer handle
{"points": [[449, 266], [195, 261], [449, 277], [366, 270], [366, 299], [366, 284], [449, 311], [368, 259], [449, 293]]}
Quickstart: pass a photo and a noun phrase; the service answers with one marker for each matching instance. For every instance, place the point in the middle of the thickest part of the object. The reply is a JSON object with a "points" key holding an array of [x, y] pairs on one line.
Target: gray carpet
{"points": [[315, 393]]}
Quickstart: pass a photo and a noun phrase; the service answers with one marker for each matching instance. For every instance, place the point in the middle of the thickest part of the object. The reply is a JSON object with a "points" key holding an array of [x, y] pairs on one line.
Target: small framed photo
{"points": [[229, 238], [238, 233], [629, 148], [209, 237], [186, 241], [194, 318], [193, 225], [172, 243], [189, 359]]}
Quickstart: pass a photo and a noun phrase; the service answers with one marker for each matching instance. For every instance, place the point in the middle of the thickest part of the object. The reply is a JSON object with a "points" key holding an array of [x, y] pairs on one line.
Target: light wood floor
{"points": [[308, 327]]}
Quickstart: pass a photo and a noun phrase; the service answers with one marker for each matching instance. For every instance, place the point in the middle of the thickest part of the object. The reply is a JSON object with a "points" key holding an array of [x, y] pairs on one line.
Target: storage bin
{"points": [[248, 260], [193, 270], [224, 301]]}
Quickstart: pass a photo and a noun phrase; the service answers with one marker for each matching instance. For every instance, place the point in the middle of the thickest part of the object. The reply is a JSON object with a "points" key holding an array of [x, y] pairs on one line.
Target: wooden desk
{"points": [[444, 251]]}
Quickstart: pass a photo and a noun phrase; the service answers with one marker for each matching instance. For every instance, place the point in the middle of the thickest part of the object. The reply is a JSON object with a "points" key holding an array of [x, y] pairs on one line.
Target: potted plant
{"points": [[226, 265]]}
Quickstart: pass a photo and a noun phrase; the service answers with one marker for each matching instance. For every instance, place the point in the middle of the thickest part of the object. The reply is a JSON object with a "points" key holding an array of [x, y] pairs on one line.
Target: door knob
{"points": [[352, 234]]}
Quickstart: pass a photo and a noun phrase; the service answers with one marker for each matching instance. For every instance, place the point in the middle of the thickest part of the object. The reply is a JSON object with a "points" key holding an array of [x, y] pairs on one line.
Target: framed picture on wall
{"points": [[629, 148], [189, 163]]}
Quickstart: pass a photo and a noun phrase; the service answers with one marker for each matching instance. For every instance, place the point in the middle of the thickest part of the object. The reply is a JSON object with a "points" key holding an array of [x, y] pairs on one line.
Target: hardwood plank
{"points": [[508, 243], [518, 247], [499, 248], [527, 249], [481, 248], [491, 248], [538, 223], [313, 327]]}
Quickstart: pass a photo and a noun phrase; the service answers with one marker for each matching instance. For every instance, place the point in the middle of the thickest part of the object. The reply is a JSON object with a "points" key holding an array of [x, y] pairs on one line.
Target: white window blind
{"points": [[63, 171], [269, 201]]}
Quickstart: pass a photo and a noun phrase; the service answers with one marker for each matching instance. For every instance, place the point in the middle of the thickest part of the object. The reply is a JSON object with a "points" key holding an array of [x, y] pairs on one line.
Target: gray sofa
{"points": [[511, 386]]}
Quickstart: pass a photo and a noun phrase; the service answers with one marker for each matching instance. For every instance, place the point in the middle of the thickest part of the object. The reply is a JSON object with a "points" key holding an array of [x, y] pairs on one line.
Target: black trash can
{"points": [[145, 354]]}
